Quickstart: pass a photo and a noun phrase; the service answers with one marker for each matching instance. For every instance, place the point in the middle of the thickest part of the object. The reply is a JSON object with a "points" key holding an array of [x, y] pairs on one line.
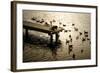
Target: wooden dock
{"points": [[41, 28]]}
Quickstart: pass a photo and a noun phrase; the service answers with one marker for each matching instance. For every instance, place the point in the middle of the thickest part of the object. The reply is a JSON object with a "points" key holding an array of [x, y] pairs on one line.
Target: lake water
{"points": [[77, 34]]}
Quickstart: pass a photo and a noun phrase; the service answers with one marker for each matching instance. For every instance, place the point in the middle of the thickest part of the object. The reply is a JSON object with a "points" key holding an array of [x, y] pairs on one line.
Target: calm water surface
{"points": [[78, 30]]}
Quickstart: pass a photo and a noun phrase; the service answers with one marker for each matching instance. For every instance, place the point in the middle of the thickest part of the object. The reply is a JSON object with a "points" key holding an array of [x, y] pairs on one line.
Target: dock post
{"points": [[51, 39], [57, 38]]}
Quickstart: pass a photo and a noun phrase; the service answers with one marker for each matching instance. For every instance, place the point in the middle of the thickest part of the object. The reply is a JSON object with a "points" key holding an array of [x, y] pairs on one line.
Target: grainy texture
{"points": [[75, 39]]}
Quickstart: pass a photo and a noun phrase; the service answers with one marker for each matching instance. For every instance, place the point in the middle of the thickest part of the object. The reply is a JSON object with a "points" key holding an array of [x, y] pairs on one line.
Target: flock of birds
{"points": [[84, 34], [42, 21], [84, 38]]}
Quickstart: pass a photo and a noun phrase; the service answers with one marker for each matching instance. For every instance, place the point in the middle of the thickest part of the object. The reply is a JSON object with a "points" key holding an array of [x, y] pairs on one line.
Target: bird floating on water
{"points": [[33, 18], [73, 24], [77, 37], [76, 29], [73, 56], [80, 33], [65, 30], [67, 41], [70, 47], [69, 36], [85, 32], [54, 20], [83, 39], [64, 25], [82, 50]]}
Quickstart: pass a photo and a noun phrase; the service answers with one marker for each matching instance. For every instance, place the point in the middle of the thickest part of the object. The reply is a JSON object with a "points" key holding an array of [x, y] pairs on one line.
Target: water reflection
{"points": [[74, 41]]}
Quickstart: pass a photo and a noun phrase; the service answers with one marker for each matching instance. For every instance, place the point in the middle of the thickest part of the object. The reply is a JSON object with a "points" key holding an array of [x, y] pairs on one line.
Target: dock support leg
{"points": [[51, 40], [57, 38]]}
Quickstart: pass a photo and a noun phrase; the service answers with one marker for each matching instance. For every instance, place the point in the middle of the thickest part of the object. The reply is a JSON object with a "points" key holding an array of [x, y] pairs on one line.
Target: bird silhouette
{"points": [[70, 48], [65, 30], [88, 38], [83, 39], [64, 25], [80, 33], [90, 42], [77, 37], [46, 24], [76, 29], [73, 24], [33, 18], [50, 22], [37, 20], [54, 20], [86, 35], [85, 32], [54, 27], [69, 30], [73, 56], [42, 21], [60, 23], [67, 41], [69, 36], [70, 39], [82, 50]]}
